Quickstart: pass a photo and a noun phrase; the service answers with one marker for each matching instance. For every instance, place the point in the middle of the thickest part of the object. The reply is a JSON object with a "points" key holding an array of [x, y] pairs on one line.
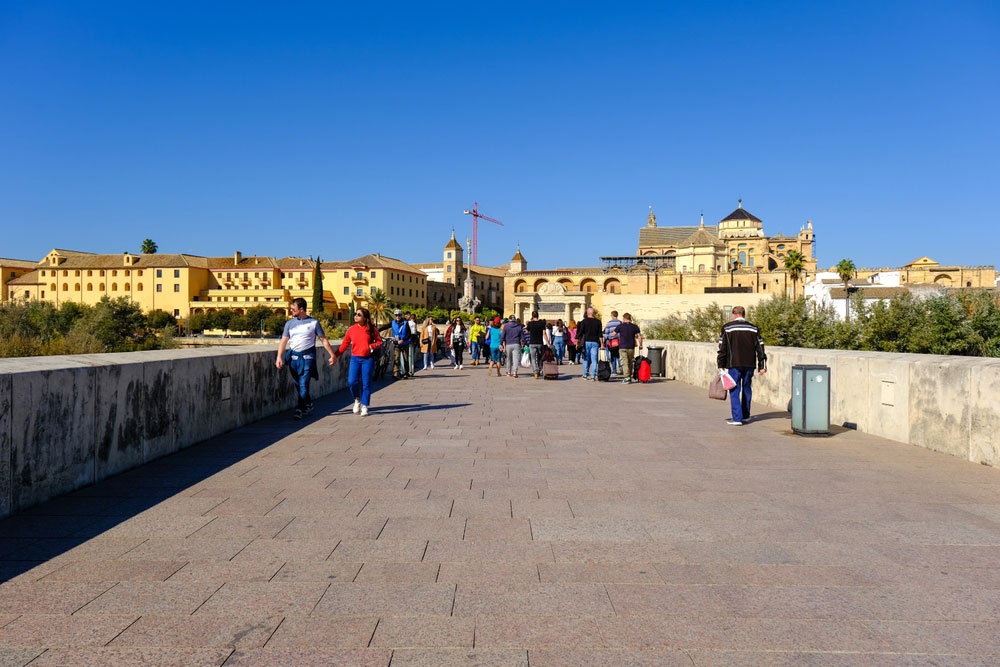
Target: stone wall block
{"points": [[888, 389], [159, 414], [53, 434], [940, 417], [119, 409], [6, 404], [984, 402]]}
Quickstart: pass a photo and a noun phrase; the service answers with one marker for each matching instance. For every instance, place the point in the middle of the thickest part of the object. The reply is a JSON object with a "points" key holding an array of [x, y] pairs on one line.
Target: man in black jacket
{"points": [[740, 349]]}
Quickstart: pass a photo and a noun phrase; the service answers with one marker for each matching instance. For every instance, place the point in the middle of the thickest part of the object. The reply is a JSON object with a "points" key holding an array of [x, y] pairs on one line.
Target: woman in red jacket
{"points": [[364, 341]]}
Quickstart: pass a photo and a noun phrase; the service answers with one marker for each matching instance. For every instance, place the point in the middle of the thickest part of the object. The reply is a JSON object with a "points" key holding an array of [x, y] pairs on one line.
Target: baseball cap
{"points": [[397, 312]]}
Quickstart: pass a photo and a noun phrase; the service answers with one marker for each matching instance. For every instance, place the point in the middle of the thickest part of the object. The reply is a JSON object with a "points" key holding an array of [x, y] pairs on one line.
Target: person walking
{"points": [[429, 342], [457, 339], [513, 338], [411, 321], [494, 341], [571, 345], [589, 334], [297, 348], [741, 348], [401, 332], [477, 340], [538, 338], [364, 341], [611, 342], [630, 339], [559, 335]]}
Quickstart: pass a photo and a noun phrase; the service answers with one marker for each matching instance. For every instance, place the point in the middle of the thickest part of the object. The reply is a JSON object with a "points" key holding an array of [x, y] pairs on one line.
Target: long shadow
{"points": [[45, 531]]}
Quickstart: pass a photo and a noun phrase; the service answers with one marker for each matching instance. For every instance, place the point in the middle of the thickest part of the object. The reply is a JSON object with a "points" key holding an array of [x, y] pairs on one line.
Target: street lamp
{"points": [[732, 272]]}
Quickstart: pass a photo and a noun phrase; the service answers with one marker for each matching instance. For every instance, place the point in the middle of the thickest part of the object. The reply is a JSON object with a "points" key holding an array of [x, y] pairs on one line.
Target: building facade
{"points": [[673, 263]]}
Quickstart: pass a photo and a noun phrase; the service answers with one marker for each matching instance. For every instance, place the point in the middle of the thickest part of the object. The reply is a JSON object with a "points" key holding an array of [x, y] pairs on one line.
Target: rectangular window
{"points": [[159, 273], [347, 274], [361, 291], [177, 273], [361, 275], [347, 291], [159, 287], [177, 288], [177, 313], [373, 274]]}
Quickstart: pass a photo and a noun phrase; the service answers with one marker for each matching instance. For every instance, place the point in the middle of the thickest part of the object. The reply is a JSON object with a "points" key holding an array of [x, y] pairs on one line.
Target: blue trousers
{"points": [[560, 348], [590, 349], [359, 379], [740, 395], [301, 366]]}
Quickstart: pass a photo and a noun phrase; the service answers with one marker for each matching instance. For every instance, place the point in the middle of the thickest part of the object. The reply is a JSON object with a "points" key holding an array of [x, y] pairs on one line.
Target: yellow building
{"points": [[186, 284], [155, 282], [9, 270], [674, 268]]}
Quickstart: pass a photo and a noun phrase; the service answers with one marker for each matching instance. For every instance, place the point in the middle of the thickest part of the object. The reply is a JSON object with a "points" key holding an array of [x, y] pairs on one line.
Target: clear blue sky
{"points": [[341, 128]]}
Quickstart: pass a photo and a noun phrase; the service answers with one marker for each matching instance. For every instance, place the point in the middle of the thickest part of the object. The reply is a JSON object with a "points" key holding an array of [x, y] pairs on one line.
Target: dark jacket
{"points": [[589, 330], [740, 346]]}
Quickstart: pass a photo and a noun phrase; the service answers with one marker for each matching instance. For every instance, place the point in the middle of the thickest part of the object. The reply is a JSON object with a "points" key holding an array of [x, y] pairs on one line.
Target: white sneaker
{"points": [[357, 406], [364, 410], [460, 367], [432, 364]]}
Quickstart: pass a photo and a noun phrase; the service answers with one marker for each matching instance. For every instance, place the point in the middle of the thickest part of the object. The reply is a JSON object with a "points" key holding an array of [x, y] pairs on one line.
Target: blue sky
{"points": [[338, 129]]}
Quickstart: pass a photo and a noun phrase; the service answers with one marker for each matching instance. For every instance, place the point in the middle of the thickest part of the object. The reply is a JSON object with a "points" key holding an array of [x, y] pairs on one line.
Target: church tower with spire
{"points": [[518, 263], [454, 267]]}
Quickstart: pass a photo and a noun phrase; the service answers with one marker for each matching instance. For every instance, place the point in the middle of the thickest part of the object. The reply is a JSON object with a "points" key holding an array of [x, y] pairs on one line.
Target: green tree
{"points": [[198, 322], [118, 324], [846, 270], [149, 247], [317, 298], [795, 264], [159, 319]]}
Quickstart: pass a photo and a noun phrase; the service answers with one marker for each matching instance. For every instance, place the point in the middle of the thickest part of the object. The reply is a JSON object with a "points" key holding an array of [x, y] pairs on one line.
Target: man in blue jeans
{"points": [[740, 349], [299, 337], [589, 334]]}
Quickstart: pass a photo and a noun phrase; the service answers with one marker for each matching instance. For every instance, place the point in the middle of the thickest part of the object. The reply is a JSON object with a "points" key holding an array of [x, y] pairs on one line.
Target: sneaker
{"points": [[298, 413], [626, 381], [309, 408], [748, 420], [432, 364], [733, 422], [535, 375], [364, 410], [460, 367], [357, 406], [514, 375]]}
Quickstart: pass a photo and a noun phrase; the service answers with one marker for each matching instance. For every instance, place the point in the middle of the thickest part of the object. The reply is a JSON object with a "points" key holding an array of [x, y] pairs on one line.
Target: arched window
{"points": [[53, 287], [114, 287], [65, 287], [90, 287], [101, 287], [138, 287], [742, 258], [76, 287]]}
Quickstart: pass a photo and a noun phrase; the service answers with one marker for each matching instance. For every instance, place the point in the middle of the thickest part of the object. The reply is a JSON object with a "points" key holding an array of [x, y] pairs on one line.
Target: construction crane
{"points": [[474, 250]]}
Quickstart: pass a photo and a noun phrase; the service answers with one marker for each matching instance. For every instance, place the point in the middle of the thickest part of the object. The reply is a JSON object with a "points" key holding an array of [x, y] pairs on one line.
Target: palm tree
{"points": [[846, 270], [149, 247], [378, 306], [795, 263]]}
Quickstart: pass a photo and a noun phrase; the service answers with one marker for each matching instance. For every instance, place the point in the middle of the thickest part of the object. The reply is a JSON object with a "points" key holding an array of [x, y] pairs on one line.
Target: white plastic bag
{"points": [[526, 358], [727, 380]]}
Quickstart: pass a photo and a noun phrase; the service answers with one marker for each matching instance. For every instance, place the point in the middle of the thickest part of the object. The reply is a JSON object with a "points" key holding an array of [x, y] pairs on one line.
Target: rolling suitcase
{"points": [[643, 371], [550, 370]]}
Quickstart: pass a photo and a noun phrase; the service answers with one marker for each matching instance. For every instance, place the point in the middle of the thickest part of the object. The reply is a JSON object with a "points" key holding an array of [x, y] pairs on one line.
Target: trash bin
{"points": [[656, 365], [811, 399]]}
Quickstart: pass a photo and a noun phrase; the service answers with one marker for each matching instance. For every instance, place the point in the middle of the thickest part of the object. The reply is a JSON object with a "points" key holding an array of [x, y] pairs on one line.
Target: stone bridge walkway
{"points": [[476, 520]]}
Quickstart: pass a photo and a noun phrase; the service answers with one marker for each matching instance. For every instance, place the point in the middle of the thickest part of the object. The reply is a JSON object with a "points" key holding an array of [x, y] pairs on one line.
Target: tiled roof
{"points": [[17, 263], [702, 238], [296, 264], [373, 261], [245, 263], [671, 236], [74, 260], [741, 214]]}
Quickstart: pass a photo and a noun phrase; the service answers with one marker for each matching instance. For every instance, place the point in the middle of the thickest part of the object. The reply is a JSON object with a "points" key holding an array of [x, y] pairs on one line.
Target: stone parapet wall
{"points": [[944, 403], [70, 421]]}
